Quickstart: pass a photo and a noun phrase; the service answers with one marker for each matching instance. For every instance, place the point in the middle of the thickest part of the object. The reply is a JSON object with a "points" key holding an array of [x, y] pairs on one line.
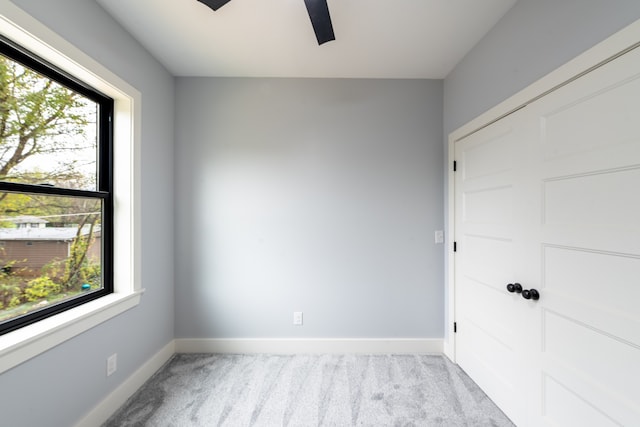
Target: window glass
{"points": [[47, 131], [41, 266], [55, 190]]}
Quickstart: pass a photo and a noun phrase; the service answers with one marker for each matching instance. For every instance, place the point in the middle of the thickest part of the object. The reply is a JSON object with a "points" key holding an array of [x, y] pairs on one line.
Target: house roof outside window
{"points": [[49, 233], [28, 220]]}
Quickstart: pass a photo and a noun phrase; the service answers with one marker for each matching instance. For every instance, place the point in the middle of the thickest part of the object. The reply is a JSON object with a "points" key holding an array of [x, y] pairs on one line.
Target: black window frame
{"points": [[104, 190]]}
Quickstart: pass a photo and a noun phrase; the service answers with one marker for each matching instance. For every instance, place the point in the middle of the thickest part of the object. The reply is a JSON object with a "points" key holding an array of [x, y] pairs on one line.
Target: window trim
{"points": [[20, 345]]}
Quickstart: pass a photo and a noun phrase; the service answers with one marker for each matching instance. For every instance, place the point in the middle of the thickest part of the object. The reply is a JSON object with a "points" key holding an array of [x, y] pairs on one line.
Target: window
{"points": [[56, 190], [33, 339]]}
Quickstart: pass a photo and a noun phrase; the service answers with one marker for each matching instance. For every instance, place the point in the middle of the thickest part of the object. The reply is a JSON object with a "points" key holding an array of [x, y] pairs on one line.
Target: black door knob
{"points": [[531, 294], [514, 287]]}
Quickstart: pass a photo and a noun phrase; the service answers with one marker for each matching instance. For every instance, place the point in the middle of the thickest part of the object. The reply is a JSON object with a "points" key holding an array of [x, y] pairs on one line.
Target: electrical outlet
{"points": [[297, 318], [439, 236], [112, 364]]}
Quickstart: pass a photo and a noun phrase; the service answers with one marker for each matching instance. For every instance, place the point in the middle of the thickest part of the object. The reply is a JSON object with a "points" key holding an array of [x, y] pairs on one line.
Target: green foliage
{"points": [[78, 268], [10, 285], [35, 115], [92, 274], [9, 290], [39, 119], [14, 302], [41, 288]]}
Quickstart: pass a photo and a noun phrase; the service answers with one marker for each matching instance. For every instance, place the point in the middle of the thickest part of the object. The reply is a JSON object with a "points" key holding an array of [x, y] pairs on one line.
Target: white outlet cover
{"points": [[297, 318], [112, 364], [439, 236]]}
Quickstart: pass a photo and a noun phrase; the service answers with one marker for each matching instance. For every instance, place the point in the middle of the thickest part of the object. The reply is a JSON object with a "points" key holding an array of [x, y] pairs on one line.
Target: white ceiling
{"points": [[274, 38]]}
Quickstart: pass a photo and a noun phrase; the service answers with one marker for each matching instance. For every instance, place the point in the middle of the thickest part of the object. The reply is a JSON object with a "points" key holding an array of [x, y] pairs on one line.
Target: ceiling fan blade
{"points": [[215, 4], [320, 19]]}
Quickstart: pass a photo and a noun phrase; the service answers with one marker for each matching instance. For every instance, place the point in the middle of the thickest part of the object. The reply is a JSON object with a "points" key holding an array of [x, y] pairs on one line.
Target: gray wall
{"points": [[314, 195], [58, 387], [534, 38]]}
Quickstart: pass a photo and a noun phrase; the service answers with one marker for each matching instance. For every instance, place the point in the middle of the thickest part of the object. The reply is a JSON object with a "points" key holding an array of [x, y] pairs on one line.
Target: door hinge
{"points": [[455, 327], [455, 166], [455, 246]]}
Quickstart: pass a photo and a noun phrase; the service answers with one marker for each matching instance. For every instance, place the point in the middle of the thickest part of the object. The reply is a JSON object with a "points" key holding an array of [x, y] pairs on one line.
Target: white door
{"points": [[488, 198], [569, 228]]}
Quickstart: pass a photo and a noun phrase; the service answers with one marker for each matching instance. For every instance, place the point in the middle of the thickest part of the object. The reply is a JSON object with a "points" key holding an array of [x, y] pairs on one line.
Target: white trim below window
{"points": [[25, 343]]}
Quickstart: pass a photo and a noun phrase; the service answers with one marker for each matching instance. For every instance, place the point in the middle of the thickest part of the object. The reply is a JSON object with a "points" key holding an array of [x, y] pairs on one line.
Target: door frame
{"points": [[603, 52]]}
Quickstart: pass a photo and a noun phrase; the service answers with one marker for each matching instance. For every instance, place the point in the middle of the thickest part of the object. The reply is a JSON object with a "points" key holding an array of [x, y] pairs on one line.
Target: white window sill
{"points": [[21, 345]]}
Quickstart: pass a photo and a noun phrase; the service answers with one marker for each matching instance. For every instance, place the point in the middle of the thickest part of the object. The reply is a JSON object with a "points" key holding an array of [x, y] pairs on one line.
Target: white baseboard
{"points": [[301, 346], [98, 415]]}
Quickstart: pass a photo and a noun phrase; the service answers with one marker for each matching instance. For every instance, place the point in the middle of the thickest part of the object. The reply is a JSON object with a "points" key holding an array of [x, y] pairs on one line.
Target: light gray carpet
{"points": [[309, 390]]}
